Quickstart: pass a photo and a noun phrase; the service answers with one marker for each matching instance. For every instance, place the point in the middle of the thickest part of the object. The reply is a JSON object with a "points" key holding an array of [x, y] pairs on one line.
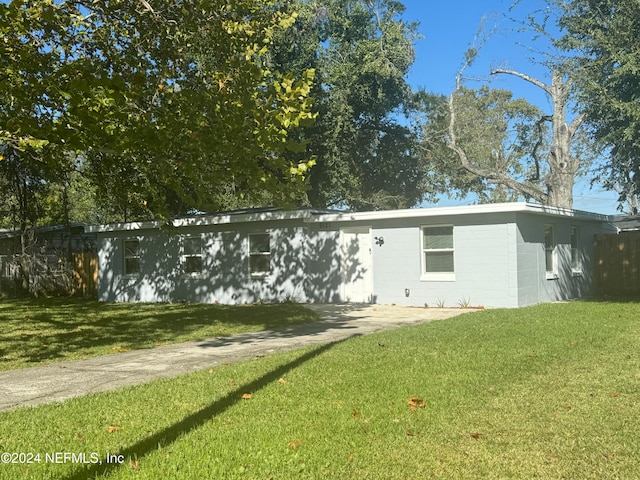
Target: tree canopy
{"points": [[604, 34], [162, 107], [364, 143]]}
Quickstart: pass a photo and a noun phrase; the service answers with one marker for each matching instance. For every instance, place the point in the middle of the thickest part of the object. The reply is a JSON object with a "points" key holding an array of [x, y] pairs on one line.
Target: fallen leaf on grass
{"points": [[246, 396], [615, 395], [415, 402], [210, 371], [113, 428], [476, 435], [282, 380], [135, 464], [295, 443], [409, 433], [356, 413]]}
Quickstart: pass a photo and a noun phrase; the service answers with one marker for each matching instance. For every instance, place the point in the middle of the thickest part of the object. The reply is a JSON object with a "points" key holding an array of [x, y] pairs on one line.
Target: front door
{"points": [[356, 265]]}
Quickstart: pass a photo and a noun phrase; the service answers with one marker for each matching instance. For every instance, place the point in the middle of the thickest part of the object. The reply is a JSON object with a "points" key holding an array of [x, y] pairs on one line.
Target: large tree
{"points": [[164, 104], [605, 33], [555, 168], [494, 132], [364, 143]]}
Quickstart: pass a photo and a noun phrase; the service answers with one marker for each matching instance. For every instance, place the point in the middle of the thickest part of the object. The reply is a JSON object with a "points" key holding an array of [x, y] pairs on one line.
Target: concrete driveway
{"points": [[64, 380]]}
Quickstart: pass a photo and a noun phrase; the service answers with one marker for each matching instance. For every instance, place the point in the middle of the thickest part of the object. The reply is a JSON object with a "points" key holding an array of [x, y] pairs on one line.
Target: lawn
{"points": [[550, 391], [42, 331]]}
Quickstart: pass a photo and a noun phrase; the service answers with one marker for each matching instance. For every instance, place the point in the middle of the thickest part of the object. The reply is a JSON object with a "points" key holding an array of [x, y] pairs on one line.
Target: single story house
{"points": [[493, 255]]}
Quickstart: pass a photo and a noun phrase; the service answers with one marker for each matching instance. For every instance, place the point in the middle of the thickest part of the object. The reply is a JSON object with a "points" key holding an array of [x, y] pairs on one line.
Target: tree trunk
{"points": [[562, 165]]}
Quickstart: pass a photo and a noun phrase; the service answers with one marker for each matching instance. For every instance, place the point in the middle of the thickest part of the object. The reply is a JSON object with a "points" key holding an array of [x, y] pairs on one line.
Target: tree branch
{"points": [[489, 175], [575, 124], [524, 76], [534, 152]]}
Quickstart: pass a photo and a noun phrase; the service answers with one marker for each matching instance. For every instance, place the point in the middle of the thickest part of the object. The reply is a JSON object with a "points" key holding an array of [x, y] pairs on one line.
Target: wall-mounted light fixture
{"points": [[379, 241], [407, 292]]}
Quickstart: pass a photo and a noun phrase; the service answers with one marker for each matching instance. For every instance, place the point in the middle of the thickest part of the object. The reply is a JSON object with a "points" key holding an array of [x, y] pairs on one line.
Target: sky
{"points": [[448, 29]]}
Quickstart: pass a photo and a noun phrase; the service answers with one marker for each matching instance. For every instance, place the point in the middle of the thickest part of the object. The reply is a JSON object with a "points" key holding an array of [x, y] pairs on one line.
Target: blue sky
{"points": [[449, 27]]}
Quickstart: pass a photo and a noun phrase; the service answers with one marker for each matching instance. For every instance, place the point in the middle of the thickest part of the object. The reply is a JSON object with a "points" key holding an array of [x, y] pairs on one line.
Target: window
{"points": [[259, 254], [575, 252], [437, 253], [131, 256], [549, 252], [192, 254], [6, 266]]}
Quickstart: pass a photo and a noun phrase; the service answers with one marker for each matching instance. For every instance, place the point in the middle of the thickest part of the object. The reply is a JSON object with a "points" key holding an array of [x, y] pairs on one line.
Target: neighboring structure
{"points": [[49, 252], [496, 255], [626, 223]]}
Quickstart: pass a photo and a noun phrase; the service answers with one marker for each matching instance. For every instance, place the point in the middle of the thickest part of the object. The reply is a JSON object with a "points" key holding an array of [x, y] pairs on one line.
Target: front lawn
{"points": [[34, 332], [551, 391]]}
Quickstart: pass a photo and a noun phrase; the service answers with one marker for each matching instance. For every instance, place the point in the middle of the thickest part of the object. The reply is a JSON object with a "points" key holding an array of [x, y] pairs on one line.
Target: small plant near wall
{"points": [[464, 302], [441, 303]]}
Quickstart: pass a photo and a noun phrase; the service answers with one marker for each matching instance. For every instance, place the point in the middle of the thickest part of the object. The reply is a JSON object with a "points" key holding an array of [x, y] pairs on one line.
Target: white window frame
{"points": [[551, 273], [126, 257], [574, 246], [261, 273], [184, 255], [436, 276]]}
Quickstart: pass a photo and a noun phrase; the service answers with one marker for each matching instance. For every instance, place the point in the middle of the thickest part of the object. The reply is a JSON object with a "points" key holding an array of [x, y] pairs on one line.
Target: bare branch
{"points": [[489, 175], [534, 152], [575, 124], [524, 76]]}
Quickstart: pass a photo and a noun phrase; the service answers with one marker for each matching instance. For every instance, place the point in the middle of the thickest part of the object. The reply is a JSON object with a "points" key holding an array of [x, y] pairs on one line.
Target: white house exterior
{"points": [[495, 255]]}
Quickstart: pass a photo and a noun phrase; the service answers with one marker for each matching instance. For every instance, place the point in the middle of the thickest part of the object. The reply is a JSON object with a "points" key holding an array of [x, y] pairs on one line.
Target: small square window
{"points": [[192, 255], [437, 253], [259, 254], [131, 256]]}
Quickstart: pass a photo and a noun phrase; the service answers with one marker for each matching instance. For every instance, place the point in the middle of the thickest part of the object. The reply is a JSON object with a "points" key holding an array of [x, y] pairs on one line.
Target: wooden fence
{"points": [[617, 263], [85, 272]]}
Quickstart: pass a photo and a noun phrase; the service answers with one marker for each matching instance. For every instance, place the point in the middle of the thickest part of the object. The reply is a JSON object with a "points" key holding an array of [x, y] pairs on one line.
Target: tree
{"points": [[561, 164], [165, 103], [364, 144], [494, 131], [603, 34]]}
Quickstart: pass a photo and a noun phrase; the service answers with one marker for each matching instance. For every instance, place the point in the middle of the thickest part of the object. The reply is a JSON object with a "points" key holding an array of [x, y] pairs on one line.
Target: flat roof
{"points": [[309, 215]]}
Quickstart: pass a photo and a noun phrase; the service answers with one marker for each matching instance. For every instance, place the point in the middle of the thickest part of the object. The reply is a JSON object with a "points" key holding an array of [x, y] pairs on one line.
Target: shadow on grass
{"points": [[197, 419], [46, 330], [611, 298]]}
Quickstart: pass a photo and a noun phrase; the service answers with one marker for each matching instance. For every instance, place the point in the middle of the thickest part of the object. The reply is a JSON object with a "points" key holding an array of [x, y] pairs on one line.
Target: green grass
{"points": [[34, 332], [550, 392]]}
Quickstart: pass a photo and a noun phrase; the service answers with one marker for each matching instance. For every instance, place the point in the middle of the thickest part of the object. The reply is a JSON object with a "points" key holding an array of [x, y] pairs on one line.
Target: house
{"points": [[495, 255]]}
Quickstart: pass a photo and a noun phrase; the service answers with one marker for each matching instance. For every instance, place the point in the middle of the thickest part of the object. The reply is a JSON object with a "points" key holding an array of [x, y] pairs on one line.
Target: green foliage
{"points": [[498, 134], [604, 34], [166, 104], [365, 147]]}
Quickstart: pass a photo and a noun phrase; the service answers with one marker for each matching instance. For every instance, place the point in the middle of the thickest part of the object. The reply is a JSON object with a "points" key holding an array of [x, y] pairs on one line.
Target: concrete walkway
{"points": [[63, 380]]}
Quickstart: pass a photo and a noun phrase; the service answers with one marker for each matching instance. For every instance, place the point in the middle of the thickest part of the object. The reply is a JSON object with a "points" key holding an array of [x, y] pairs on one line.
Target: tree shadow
{"points": [[173, 432], [305, 264], [45, 330]]}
